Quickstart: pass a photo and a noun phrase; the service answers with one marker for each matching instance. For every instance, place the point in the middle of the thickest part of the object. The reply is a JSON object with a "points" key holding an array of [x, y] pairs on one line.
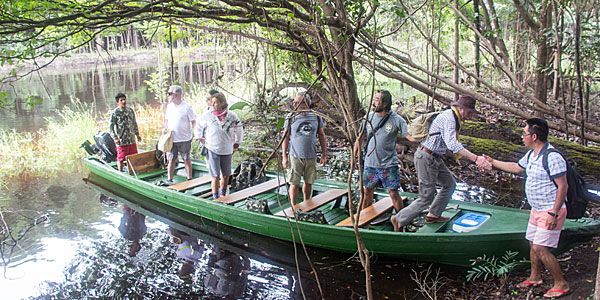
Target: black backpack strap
{"points": [[379, 125], [545, 162]]}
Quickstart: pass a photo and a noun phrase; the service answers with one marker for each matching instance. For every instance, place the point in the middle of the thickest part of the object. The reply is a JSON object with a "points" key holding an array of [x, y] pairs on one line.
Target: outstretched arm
{"points": [[480, 161], [506, 166]]}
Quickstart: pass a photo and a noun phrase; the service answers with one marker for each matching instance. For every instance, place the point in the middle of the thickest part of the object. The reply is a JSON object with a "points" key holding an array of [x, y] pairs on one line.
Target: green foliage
{"points": [[31, 101], [3, 99], [492, 266], [238, 106], [280, 123], [157, 83]]}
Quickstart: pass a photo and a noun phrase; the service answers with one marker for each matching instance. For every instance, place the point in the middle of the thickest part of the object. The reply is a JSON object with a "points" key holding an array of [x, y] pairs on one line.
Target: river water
{"points": [[72, 241]]}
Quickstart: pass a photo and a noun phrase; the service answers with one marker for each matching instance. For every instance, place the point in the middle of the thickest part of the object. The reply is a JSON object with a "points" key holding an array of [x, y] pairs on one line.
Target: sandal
{"points": [[556, 293], [527, 284]]}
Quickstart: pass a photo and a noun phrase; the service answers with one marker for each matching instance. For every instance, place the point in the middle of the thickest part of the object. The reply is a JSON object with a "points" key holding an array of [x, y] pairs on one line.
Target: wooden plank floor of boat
{"points": [[252, 191], [314, 203], [190, 184], [370, 213]]}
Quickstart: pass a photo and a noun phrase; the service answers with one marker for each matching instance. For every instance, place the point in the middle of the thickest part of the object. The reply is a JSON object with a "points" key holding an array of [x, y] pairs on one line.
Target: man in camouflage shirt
{"points": [[123, 129]]}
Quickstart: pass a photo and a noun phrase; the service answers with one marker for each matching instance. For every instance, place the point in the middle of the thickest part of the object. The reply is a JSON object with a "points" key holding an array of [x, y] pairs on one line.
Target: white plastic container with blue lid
{"points": [[469, 222]]}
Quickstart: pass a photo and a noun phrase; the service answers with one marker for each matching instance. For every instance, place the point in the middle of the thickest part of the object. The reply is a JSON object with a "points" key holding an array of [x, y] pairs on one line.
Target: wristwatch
{"points": [[552, 214]]}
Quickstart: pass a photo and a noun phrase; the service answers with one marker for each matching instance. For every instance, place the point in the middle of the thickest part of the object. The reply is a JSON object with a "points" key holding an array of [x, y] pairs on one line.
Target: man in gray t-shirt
{"points": [[300, 137], [383, 126]]}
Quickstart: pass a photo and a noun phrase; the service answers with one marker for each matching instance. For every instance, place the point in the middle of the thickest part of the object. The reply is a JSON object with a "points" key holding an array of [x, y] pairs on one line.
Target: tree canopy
{"points": [[511, 50]]}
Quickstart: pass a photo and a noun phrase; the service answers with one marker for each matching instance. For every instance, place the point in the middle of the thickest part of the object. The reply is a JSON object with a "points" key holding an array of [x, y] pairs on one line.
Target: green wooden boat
{"points": [[504, 229]]}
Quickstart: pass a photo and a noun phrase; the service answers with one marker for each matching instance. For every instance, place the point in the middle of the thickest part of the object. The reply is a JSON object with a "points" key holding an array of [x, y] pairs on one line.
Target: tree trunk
{"points": [[497, 41], [559, 25], [578, 67], [478, 26], [597, 290], [543, 54], [456, 50]]}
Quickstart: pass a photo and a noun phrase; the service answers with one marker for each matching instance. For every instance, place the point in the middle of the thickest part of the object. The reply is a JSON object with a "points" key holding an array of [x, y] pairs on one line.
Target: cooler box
{"points": [[469, 222]]}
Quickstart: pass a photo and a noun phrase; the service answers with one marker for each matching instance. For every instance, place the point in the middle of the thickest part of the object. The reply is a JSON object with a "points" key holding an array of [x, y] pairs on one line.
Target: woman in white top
{"points": [[223, 135]]}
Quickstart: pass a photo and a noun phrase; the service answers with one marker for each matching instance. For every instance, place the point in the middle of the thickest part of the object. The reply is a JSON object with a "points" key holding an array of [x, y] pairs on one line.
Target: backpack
{"points": [[577, 194], [418, 128]]}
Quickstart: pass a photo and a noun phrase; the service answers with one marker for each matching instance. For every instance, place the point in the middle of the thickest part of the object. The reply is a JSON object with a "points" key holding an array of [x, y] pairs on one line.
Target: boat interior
{"points": [[328, 205]]}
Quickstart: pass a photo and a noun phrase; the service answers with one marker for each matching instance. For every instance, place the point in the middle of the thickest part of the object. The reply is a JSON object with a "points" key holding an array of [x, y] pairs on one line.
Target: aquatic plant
{"points": [[496, 267]]}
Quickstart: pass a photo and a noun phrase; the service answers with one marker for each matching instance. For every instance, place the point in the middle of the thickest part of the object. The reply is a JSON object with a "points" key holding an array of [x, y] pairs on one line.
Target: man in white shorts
{"points": [[546, 193]]}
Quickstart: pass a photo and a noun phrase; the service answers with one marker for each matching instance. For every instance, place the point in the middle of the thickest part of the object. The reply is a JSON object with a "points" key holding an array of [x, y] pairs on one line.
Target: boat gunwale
{"points": [[192, 200]]}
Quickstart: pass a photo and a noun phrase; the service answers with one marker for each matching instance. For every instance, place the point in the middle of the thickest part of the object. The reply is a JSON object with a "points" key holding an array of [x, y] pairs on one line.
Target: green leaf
{"points": [[238, 106], [280, 123]]}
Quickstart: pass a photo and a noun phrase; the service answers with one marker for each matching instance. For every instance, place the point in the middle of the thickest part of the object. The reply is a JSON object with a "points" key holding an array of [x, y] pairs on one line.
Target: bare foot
{"points": [[529, 283], [395, 223], [135, 248]]}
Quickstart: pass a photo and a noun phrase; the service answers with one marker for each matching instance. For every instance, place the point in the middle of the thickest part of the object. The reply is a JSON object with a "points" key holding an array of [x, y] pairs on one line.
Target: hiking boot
{"points": [[434, 219]]}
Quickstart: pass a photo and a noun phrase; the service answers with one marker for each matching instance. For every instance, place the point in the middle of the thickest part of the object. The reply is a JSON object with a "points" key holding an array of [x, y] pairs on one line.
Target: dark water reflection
{"points": [[40, 95], [82, 250]]}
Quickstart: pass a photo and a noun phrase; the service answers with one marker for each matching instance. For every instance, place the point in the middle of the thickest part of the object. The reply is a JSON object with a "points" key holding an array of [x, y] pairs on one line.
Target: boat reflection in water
{"points": [[133, 228], [227, 273], [189, 250], [209, 259]]}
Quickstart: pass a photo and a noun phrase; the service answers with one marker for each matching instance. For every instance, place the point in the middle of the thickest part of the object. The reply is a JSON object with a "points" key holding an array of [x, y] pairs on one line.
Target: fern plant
{"points": [[484, 266]]}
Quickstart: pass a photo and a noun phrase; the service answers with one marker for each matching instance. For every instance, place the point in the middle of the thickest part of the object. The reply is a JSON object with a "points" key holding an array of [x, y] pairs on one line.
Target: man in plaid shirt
{"points": [[547, 200], [431, 169]]}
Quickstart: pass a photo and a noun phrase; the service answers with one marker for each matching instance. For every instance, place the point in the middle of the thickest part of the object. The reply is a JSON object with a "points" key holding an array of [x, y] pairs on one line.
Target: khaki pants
{"points": [[431, 171], [302, 167]]}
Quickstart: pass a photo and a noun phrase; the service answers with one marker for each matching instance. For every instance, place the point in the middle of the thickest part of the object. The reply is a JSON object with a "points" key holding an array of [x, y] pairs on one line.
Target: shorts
{"points": [[219, 164], [389, 177], [302, 167], [125, 150], [538, 232], [182, 148]]}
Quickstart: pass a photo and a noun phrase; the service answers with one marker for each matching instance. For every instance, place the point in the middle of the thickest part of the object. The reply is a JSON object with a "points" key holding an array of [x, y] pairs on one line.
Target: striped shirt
{"points": [[539, 187], [445, 124]]}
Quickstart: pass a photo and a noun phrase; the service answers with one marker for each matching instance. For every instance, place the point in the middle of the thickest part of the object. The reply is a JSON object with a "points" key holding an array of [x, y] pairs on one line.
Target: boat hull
{"points": [[504, 232]]}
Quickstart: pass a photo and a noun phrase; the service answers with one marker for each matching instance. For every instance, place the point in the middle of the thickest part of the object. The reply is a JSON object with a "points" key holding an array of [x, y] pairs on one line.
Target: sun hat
{"points": [[466, 102]]}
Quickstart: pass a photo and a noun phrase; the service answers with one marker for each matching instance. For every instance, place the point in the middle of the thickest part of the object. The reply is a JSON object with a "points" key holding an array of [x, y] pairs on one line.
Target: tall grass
{"points": [[17, 152], [59, 143], [56, 149]]}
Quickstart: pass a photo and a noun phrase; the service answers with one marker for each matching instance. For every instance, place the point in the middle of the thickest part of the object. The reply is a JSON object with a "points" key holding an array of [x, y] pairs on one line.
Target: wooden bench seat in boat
{"points": [[190, 184], [314, 203], [251, 191], [141, 163], [371, 212]]}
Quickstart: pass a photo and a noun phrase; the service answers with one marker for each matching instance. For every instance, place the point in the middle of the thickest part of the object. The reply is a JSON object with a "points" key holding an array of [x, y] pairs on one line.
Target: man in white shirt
{"points": [[180, 119]]}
